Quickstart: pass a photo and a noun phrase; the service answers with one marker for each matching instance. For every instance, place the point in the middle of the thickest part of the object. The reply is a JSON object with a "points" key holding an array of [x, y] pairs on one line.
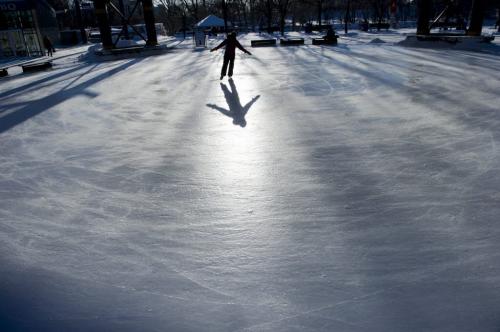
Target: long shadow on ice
{"points": [[236, 111], [414, 233], [36, 299], [38, 106], [36, 83]]}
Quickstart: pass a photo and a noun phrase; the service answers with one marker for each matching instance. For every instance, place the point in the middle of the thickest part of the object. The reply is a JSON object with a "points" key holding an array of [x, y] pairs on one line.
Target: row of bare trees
{"points": [[272, 14]]}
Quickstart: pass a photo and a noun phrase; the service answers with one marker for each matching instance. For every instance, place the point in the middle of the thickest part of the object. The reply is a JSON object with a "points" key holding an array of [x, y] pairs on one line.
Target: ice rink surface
{"points": [[349, 188]]}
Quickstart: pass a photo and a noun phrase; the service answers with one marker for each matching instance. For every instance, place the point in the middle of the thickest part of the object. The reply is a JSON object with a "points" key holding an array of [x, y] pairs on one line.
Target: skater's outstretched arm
{"points": [[220, 109], [219, 46], [242, 48], [250, 103]]}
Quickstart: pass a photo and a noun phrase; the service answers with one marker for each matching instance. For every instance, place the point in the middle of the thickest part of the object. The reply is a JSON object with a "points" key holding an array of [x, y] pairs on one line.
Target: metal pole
{"points": [[38, 34], [124, 22], [22, 34]]}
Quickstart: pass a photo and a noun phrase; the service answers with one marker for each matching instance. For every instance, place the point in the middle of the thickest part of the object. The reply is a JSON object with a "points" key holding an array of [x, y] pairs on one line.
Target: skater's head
{"points": [[231, 35], [240, 122]]}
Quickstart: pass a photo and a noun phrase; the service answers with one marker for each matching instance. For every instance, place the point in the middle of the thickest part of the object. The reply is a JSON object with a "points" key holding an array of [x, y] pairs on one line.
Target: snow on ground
{"points": [[349, 188]]}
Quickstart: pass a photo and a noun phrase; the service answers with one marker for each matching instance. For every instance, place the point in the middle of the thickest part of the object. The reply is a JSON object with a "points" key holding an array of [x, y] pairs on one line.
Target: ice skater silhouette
{"points": [[236, 111], [229, 54]]}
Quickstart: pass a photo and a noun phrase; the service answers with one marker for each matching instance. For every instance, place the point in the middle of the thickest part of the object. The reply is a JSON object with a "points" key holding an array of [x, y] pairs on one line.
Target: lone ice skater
{"points": [[231, 43]]}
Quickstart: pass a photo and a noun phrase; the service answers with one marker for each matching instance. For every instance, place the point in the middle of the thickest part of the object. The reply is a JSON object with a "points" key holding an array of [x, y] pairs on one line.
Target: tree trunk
{"points": [[347, 15], [498, 16], [269, 16], [184, 25], [224, 13], [238, 12], [320, 12], [101, 13], [476, 18], [283, 11], [79, 22], [149, 20], [251, 13], [282, 25], [424, 13], [195, 11], [245, 18]]}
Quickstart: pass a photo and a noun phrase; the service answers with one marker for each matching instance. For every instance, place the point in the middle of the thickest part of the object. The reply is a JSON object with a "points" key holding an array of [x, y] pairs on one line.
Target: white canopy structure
{"points": [[210, 21]]}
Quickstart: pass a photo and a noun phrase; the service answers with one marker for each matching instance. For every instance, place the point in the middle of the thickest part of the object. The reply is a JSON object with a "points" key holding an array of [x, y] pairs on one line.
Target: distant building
{"points": [[23, 23]]}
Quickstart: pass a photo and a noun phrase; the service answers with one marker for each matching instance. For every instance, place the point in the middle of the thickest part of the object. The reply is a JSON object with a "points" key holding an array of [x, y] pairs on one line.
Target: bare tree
{"points": [[269, 15], [319, 6], [283, 7], [59, 4], [251, 9], [498, 15], [193, 7], [476, 17], [380, 9], [171, 15]]}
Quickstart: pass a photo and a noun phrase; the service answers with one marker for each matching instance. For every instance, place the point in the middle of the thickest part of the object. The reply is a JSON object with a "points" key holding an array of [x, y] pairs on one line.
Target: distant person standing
{"points": [[229, 54], [48, 45], [330, 35]]}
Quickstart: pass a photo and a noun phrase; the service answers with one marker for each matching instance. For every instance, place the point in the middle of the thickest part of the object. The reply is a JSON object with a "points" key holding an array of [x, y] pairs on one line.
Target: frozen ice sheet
{"points": [[350, 188]]}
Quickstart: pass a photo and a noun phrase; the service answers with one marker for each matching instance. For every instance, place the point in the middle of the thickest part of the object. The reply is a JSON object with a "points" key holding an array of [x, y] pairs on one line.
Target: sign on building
{"points": [[14, 5]]}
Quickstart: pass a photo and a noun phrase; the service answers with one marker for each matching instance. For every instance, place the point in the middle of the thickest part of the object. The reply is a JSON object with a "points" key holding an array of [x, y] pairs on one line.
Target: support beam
{"points": [[101, 14], [124, 21], [149, 20], [476, 17], [424, 14]]}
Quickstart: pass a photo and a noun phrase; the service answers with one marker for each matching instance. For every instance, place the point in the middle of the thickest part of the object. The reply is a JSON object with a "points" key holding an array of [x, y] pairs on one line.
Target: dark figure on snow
{"points": [[48, 45], [231, 43], [365, 25], [236, 110], [330, 35]]}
